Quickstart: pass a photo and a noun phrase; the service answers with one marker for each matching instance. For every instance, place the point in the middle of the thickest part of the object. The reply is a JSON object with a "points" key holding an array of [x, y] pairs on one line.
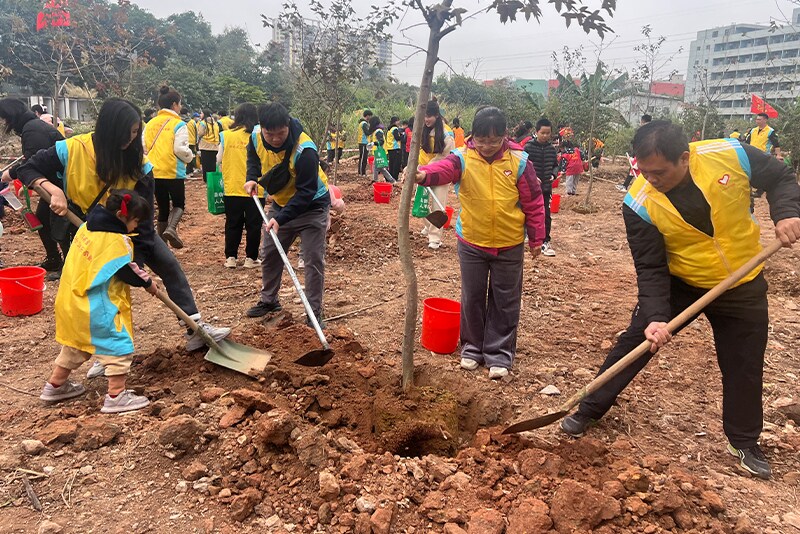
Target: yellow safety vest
{"points": [[234, 162], [269, 159], [212, 132], [335, 142], [490, 213], [760, 139], [81, 182], [93, 307], [364, 139], [389, 142], [735, 135], [160, 147], [226, 122], [721, 170], [191, 126], [60, 128]]}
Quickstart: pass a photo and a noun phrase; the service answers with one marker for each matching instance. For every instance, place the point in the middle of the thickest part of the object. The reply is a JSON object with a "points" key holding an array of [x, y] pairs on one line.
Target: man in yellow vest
{"points": [[688, 224], [300, 203], [764, 137]]}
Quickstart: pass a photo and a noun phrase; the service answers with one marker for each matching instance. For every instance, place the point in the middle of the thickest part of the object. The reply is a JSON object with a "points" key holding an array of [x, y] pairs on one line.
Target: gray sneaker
{"points": [[65, 391], [96, 370], [127, 401], [195, 342]]}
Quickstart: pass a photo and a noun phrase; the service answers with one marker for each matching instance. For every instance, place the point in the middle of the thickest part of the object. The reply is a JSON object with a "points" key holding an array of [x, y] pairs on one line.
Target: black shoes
{"points": [[752, 460], [263, 308], [322, 324], [576, 424], [51, 264]]}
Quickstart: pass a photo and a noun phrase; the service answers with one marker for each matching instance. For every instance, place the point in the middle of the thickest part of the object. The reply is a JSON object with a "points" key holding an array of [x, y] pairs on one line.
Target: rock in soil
{"points": [[93, 434], [181, 432], [59, 431], [32, 446], [50, 527], [486, 521], [381, 521], [576, 505], [530, 517], [328, 486], [243, 505], [275, 428], [194, 471]]}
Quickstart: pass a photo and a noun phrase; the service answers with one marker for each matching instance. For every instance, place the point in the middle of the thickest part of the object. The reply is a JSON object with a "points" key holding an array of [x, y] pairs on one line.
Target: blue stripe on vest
{"points": [[744, 161], [640, 210], [523, 160], [147, 168], [106, 340], [62, 150]]}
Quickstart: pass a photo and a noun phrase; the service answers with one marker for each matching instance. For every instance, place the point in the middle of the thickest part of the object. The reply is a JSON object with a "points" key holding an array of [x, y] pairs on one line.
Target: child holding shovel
{"points": [[93, 304], [500, 200]]}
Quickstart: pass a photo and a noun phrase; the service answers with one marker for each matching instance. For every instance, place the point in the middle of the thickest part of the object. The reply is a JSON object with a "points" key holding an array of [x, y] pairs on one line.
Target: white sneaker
{"points": [[547, 250], [621, 188], [301, 264], [65, 391], [230, 263], [127, 401], [497, 372], [250, 263], [96, 370], [195, 342], [434, 246], [469, 364]]}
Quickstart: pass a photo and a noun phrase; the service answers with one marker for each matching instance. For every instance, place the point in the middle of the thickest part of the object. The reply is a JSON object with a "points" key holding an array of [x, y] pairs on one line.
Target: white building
{"points": [[295, 40], [729, 64]]}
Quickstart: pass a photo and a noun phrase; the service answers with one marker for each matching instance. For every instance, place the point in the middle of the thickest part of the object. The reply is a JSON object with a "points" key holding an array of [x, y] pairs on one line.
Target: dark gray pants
{"points": [[164, 263], [311, 227], [491, 292]]}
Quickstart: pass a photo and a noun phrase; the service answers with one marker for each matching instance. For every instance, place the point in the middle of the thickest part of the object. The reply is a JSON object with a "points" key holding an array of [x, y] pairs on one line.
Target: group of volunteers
{"points": [[686, 213]]}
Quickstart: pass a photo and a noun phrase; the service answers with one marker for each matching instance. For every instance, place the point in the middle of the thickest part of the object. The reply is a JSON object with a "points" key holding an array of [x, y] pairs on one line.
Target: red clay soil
{"points": [[296, 450]]}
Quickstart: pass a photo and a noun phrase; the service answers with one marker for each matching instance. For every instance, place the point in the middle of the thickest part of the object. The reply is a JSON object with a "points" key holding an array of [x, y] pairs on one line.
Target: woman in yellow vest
{"points": [[501, 201], [208, 142], [87, 167], [240, 212], [191, 129], [93, 304], [392, 145], [166, 142], [436, 145]]}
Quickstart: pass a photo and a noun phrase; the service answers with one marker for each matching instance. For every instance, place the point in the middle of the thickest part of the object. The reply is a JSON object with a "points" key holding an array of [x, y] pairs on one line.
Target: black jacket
{"points": [[47, 164], [102, 220], [647, 243], [544, 158], [306, 171], [36, 135]]}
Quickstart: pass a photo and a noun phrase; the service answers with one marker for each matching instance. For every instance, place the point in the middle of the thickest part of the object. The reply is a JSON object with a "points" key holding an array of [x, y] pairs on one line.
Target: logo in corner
{"points": [[725, 179], [507, 172]]}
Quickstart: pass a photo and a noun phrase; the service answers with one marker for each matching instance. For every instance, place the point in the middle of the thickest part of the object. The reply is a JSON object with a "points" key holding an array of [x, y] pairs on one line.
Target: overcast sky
{"points": [[486, 49]]}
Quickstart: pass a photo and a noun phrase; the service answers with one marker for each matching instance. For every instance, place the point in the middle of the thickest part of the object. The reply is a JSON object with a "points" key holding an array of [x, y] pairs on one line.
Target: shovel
{"points": [[314, 358], [225, 353], [635, 354], [437, 218]]}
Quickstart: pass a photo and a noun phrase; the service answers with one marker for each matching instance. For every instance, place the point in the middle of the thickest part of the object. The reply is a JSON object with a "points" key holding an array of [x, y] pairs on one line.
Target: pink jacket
{"points": [[448, 171]]}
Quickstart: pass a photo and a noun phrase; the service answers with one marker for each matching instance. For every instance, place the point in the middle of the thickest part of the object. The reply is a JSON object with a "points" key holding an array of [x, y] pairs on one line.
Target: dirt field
{"points": [[296, 451]]}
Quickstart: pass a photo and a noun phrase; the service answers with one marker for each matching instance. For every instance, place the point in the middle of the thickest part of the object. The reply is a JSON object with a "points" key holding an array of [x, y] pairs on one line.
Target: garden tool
{"points": [[437, 218]]}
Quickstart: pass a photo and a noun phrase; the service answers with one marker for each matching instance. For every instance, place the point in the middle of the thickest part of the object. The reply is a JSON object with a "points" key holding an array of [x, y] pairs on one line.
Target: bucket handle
{"points": [[44, 287]]}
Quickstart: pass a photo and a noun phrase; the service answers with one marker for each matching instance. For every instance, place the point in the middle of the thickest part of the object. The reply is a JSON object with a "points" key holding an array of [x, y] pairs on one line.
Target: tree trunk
{"points": [[336, 148], [590, 148], [705, 120], [403, 239]]}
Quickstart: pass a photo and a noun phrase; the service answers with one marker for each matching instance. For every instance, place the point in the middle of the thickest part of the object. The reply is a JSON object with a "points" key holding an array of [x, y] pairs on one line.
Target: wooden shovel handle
{"points": [[44, 195], [678, 321]]}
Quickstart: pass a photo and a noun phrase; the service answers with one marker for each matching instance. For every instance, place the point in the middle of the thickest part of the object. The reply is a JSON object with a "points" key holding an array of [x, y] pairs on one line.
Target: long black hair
{"points": [[113, 131], [245, 116], [136, 206], [374, 123], [15, 113], [432, 110]]}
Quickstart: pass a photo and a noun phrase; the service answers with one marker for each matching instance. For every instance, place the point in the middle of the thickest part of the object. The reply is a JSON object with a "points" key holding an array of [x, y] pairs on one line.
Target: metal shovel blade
{"points": [[238, 357], [437, 218], [315, 358], [537, 422]]}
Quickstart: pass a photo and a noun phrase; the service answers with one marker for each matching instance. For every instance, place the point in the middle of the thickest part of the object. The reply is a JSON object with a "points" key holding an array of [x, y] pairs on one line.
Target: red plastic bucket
{"points": [[441, 325], [555, 203], [382, 192], [21, 289], [555, 182], [449, 210], [337, 193]]}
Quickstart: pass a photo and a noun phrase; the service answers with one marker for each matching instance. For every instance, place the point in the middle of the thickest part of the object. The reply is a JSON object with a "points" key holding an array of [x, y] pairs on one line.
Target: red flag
{"points": [[758, 105], [54, 14]]}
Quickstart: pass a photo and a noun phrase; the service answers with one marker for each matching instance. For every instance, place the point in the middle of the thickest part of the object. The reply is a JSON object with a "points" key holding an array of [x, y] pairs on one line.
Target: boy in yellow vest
{"points": [[688, 223], [501, 201], [300, 204], [93, 305]]}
